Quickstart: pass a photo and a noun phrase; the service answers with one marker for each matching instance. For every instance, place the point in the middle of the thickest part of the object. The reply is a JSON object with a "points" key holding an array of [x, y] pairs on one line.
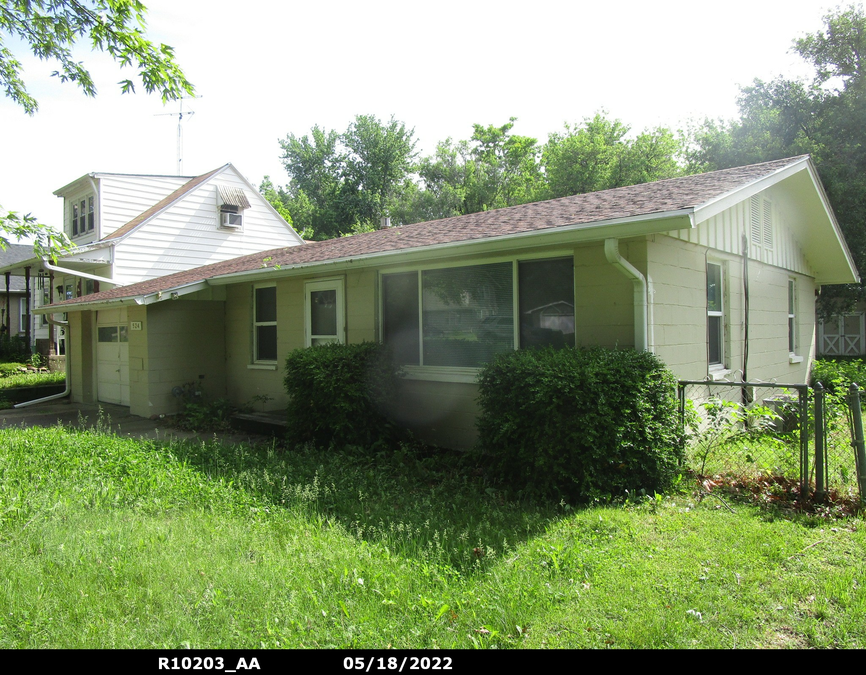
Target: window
{"points": [[715, 316], [324, 316], [464, 316], [232, 202], [22, 324], [83, 216], [265, 324], [792, 316]]}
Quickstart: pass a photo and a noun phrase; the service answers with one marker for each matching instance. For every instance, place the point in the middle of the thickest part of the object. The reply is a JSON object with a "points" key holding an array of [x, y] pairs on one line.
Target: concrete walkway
{"points": [[64, 412]]}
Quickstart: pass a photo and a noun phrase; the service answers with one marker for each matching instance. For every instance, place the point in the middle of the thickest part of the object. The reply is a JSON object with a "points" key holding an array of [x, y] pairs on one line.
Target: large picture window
{"points": [[464, 316]]}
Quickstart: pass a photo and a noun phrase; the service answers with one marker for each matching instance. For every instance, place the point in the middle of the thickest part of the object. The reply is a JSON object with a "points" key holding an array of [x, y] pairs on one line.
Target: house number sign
{"points": [[135, 325]]}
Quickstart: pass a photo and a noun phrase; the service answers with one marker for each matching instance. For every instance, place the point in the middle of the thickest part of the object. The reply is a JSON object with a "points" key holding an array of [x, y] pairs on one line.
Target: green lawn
{"points": [[11, 377], [108, 543]]}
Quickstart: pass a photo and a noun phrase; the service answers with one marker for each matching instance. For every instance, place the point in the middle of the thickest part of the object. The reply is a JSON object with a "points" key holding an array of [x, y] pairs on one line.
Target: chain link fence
{"points": [[757, 429]]}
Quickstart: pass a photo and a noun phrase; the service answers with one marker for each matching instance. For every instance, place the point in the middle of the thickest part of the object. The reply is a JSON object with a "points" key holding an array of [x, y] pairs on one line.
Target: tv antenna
{"points": [[179, 115]]}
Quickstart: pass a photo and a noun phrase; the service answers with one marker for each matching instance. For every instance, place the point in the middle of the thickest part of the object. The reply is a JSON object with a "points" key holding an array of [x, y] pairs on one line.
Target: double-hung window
{"points": [[461, 317], [793, 337], [265, 324], [715, 316]]}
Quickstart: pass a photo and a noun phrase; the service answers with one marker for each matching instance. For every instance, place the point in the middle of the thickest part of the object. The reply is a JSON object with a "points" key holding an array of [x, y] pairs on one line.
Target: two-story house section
{"points": [[130, 228]]}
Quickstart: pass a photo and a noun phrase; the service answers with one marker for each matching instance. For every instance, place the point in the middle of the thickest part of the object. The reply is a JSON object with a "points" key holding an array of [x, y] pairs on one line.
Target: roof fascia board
{"points": [[571, 234], [136, 300], [715, 206], [171, 204], [831, 216], [267, 204], [104, 304]]}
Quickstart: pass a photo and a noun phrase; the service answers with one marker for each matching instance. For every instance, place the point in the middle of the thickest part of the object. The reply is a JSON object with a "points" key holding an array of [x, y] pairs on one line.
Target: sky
{"points": [[264, 70]]}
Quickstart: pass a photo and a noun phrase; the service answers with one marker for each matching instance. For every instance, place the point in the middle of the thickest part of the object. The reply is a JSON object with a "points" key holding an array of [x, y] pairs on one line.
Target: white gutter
{"points": [[641, 324], [75, 273], [67, 390]]}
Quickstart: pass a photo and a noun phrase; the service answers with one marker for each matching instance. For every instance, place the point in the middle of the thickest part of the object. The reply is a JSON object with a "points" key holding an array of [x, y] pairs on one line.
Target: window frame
{"points": [[793, 326], [337, 284], [263, 324], [721, 365], [83, 215], [458, 373]]}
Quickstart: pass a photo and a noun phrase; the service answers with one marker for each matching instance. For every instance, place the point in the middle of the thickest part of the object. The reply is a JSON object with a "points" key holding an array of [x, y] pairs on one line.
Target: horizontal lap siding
{"points": [[187, 235], [125, 197]]}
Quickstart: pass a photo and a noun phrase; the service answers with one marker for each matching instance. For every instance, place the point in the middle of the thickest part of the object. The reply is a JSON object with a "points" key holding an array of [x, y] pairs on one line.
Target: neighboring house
{"points": [[130, 228], [14, 316], [664, 266]]}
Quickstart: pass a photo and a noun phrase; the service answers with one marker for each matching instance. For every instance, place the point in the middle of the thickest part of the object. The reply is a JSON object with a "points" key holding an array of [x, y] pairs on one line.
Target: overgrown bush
{"points": [[833, 373], [13, 348], [580, 423], [337, 394]]}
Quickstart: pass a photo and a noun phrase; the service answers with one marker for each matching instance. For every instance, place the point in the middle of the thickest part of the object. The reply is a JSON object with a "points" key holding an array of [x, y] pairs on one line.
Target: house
{"points": [[14, 311], [689, 268], [130, 228]]}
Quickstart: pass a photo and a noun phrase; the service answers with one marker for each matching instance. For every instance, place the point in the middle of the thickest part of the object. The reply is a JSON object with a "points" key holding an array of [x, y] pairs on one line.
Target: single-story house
{"points": [[686, 268], [128, 228]]}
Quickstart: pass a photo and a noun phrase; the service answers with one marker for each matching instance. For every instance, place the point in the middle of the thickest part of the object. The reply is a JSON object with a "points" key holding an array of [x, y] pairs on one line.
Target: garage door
{"points": [[112, 357]]}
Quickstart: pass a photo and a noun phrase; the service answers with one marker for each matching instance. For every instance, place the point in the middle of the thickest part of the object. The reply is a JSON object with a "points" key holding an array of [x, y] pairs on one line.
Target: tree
{"points": [[598, 155], [784, 118], [51, 28], [344, 183]]}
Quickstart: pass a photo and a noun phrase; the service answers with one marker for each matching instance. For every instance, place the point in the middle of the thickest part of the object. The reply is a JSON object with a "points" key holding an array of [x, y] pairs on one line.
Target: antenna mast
{"points": [[180, 115]]}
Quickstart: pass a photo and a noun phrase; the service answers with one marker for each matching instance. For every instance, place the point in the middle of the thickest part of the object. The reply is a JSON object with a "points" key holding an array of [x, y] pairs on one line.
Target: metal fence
{"points": [[790, 431]]}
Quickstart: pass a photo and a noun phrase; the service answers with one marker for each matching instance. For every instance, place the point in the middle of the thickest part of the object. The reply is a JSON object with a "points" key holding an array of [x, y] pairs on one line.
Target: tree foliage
{"points": [[343, 183], [51, 29], [784, 117]]}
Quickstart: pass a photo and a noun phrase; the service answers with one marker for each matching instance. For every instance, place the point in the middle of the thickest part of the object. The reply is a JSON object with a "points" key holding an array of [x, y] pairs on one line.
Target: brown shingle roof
{"points": [[634, 201]]}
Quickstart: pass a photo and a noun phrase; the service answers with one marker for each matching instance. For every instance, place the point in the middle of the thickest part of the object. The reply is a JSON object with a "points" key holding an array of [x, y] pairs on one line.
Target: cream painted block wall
{"points": [[80, 354], [678, 273], [604, 314], [180, 341]]}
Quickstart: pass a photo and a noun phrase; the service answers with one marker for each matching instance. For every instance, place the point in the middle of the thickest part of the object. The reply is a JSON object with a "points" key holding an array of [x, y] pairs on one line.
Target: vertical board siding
{"points": [[724, 232]]}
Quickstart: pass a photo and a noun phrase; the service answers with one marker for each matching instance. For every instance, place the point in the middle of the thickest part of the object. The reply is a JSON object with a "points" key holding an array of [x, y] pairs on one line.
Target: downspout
{"points": [[67, 390], [641, 324]]}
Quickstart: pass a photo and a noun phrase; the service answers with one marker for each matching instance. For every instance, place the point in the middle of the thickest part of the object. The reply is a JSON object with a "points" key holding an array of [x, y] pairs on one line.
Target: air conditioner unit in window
{"points": [[231, 220]]}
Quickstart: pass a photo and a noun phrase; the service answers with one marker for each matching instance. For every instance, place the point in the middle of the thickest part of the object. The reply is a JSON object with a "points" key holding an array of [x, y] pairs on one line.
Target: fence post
{"points": [[804, 443], [857, 429], [681, 397], [820, 478]]}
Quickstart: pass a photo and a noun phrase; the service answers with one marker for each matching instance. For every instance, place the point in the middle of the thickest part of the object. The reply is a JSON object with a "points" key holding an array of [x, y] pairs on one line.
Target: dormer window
{"points": [[83, 216], [232, 202]]}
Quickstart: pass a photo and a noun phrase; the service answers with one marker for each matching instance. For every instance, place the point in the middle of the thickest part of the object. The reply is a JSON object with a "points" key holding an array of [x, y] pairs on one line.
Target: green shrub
{"points": [[337, 392], [13, 348], [833, 373], [580, 423]]}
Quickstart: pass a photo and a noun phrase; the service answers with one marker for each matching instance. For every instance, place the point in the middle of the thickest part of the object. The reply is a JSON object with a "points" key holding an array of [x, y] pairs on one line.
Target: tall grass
{"points": [[108, 542]]}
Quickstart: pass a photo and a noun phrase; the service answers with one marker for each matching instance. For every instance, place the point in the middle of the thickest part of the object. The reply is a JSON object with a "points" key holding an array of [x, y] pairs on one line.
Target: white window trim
{"points": [[455, 373], [719, 370], [262, 364], [336, 284], [791, 289]]}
